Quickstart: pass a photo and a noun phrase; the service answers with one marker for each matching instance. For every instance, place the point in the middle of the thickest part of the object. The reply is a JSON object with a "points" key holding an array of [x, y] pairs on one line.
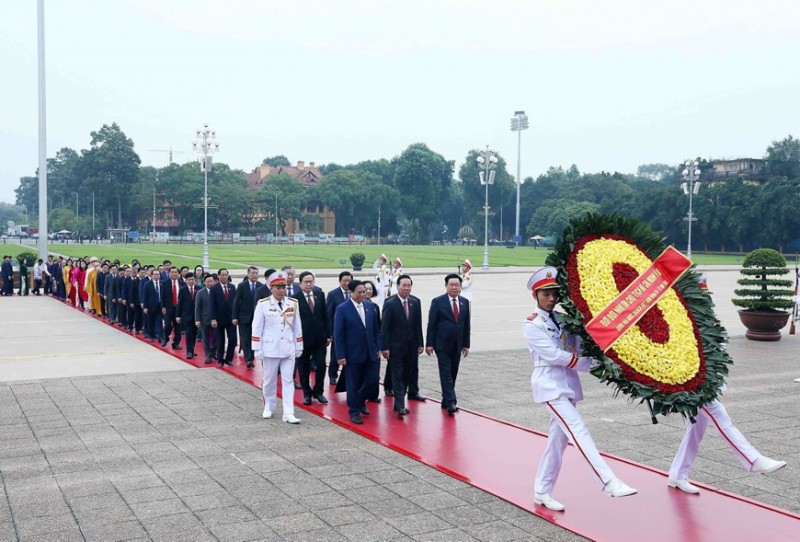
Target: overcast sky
{"points": [[607, 85]]}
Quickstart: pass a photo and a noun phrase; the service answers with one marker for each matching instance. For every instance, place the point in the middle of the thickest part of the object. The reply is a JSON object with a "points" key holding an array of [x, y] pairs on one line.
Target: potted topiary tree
{"points": [[357, 259], [763, 298]]}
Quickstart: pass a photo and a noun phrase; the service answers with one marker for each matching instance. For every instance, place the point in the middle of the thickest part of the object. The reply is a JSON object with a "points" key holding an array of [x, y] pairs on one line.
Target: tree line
{"points": [[418, 192]]}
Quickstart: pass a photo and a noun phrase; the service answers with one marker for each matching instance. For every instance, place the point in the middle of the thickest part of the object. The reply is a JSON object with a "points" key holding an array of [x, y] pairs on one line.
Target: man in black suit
{"points": [[336, 297], [401, 329], [119, 296], [8, 276], [169, 308], [112, 292], [292, 288], [185, 318], [151, 304], [102, 274], [316, 338], [222, 296], [448, 335], [263, 291], [204, 316], [135, 301], [244, 305]]}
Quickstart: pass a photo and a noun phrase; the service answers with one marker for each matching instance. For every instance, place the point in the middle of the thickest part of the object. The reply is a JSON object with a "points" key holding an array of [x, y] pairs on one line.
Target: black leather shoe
{"points": [[452, 409], [177, 347], [389, 393], [208, 361], [334, 381], [364, 411], [418, 398], [189, 355], [297, 386], [402, 412], [377, 400], [321, 399], [163, 342], [250, 364], [356, 419], [306, 400]]}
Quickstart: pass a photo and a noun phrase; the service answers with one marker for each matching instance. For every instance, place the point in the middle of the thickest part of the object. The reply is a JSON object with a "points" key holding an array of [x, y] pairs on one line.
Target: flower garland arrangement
{"points": [[673, 357]]}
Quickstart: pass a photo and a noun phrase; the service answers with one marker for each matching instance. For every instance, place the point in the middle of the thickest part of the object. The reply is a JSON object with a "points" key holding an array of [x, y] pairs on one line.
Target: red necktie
{"points": [[455, 310], [174, 292], [225, 289], [405, 308], [311, 302], [192, 291]]}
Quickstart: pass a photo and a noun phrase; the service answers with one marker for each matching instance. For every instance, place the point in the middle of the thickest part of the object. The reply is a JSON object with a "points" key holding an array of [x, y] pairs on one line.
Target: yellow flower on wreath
{"points": [[675, 362]]}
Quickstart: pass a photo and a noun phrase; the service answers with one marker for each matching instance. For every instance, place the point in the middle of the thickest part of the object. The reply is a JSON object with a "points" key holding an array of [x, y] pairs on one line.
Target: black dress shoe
{"points": [[306, 400], [452, 409], [208, 361], [356, 419], [163, 342], [297, 386], [321, 399], [176, 347], [250, 364], [364, 411], [418, 398], [189, 355], [389, 393], [334, 381], [402, 412], [376, 400]]}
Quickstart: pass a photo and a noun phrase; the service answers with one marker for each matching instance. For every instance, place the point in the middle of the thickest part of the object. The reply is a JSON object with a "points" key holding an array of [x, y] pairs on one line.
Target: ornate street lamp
{"points": [[487, 162], [205, 144], [519, 122], [690, 174]]}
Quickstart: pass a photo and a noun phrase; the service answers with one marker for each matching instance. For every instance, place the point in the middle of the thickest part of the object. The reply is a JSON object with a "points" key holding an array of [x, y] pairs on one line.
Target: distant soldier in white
{"points": [[466, 280], [397, 270], [715, 412], [557, 387], [383, 276], [277, 341]]}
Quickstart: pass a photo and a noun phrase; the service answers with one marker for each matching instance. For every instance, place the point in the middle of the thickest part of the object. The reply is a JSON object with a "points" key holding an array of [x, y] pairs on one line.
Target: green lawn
{"points": [[325, 257]]}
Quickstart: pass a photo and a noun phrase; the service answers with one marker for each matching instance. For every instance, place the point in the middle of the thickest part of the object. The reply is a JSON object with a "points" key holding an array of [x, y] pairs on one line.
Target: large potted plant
{"points": [[357, 259], [764, 299]]}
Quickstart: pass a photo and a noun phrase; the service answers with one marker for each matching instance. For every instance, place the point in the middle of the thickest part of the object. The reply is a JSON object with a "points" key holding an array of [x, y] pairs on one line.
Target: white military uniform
{"points": [[395, 274], [277, 340], [556, 385], [383, 277]]}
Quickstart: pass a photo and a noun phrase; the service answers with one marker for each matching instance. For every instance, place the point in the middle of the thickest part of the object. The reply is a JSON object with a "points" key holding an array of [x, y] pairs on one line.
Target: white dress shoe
{"points": [[683, 485], [616, 488], [267, 413], [547, 501], [764, 465], [291, 419]]}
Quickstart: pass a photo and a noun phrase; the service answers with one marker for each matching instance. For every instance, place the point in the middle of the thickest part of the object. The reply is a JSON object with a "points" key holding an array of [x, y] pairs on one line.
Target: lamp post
{"points": [[519, 122], [487, 162], [205, 144], [690, 174]]}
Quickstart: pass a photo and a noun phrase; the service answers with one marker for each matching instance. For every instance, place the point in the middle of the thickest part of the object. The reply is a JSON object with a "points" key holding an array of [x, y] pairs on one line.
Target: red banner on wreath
{"points": [[639, 297]]}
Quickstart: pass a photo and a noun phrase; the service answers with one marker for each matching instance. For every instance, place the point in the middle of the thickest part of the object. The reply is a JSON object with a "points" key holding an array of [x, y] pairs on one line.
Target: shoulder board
{"points": [[263, 299], [533, 316]]}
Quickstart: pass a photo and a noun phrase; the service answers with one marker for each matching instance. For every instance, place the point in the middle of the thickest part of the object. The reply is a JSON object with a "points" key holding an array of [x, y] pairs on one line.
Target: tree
{"points": [[354, 196], [110, 168], [11, 212], [422, 177], [656, 172], [276, 161], [287, 193], [783, 158]]}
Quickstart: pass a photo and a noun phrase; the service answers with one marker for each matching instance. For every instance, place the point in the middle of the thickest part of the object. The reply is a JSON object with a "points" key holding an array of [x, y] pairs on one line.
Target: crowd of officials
{"points": [[286, 326]]}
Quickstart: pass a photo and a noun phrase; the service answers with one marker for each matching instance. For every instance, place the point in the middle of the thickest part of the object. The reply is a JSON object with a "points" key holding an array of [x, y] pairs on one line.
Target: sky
{"points": [[606, 85]]}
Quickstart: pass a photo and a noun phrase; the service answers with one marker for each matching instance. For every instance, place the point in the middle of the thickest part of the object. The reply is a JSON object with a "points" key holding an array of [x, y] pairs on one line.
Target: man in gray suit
{"points": [[204, 316]]}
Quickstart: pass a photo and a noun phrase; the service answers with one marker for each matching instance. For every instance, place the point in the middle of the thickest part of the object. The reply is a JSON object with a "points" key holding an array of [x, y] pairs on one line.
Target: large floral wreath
{"points": [[673, 358]]}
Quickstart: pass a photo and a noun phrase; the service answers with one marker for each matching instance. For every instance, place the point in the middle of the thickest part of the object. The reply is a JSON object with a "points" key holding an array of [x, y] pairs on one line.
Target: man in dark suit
{"points": [[244, 305], [222, 296], [119, 297], [204, 316], [169, 308], [58, 276], [335, 298], [357, 341], [316, 338], [448, 335], [135, 301], [292, 288], [151, 304], [263, 291], [102, 274], [401, 329], [8, 276], [185, 318], [111, 292]]}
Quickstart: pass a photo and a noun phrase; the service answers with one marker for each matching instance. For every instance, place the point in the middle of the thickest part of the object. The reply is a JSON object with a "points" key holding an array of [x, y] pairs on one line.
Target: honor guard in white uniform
{"points": [[383, 276], [555, 384], [277, 340], [397, 270], [715, 413], [466, 280]]}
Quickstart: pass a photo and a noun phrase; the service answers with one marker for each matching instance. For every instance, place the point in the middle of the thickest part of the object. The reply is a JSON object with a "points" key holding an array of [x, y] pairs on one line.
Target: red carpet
{"points": [[501, 458]]}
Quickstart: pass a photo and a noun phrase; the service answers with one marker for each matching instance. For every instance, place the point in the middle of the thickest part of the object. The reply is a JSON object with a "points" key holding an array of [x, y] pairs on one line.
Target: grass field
{"points": [[325, 257]]}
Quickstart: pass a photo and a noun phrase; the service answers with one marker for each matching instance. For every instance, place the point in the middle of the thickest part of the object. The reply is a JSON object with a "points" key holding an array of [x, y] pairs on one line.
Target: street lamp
{"points": [[519, 122], [690, 174], [487, 162], [205, 144]]}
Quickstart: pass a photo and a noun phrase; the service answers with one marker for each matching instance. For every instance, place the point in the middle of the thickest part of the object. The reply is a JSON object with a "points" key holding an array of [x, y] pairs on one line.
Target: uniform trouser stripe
{"points": [[725, 435], [575, 441]]}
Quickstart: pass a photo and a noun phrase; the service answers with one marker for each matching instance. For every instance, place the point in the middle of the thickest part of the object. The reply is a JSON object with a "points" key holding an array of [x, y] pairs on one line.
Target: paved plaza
{"points": [[105, 438]]}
